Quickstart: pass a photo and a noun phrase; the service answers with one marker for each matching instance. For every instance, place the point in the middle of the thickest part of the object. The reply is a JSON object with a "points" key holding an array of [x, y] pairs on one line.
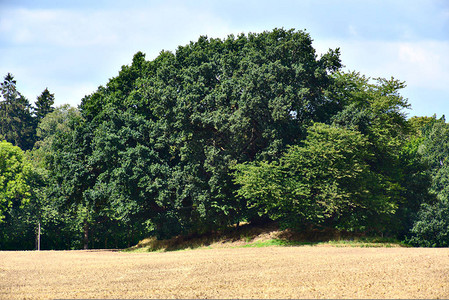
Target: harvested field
{"points": [[270, 272]]}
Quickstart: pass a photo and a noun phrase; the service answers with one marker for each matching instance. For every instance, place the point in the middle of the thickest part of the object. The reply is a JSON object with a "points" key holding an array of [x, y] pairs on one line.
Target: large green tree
{"points": [[208, 105], [155, 148], [60, 224], [97, 211]]}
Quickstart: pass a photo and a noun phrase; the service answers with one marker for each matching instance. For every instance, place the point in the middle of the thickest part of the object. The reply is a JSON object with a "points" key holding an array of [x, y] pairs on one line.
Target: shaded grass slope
{"points": [[249, 235]]}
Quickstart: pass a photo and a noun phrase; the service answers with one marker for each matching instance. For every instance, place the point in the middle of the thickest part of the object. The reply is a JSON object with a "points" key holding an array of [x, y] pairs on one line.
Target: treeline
{"points": [[18, 118], [251, 128]]}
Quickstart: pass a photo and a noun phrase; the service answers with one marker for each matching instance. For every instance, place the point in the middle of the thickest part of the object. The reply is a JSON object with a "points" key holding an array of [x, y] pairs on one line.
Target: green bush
{"points": [[431, 229]]}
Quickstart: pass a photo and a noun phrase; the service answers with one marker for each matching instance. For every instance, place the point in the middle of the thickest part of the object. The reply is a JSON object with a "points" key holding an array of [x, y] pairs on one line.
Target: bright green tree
{"points": [[14, 174], [377, 109], [325, 181], [60, 226], [18, 181], [395, 179]]}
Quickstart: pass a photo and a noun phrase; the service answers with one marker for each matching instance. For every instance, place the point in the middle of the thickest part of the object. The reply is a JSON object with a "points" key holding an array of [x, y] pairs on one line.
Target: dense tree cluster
{"points": [[18, 119], [250, 128]]}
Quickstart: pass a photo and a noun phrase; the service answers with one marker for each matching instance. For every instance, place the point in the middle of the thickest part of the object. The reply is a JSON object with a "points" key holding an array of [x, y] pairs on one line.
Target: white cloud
{"points": [[72, 52], [56, 27], [423, 65], [420, 63], [352, 31], [107, 28], [426, 63]]}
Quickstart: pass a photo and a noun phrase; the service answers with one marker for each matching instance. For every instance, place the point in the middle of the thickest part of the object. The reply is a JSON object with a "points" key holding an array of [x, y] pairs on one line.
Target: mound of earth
{"points": [[269, 234]]}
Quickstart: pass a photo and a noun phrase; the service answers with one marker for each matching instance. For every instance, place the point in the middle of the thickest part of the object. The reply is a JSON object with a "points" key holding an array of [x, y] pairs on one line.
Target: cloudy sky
{"points": [[72, 47]]}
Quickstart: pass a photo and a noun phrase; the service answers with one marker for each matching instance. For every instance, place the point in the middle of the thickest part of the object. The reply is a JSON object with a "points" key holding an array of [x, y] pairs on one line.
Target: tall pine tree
{"points": [[44, 105], [16, 121]]}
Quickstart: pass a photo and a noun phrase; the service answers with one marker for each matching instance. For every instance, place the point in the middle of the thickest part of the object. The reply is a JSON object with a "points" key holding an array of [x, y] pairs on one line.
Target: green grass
{"points": [[274, 242], [367, 242], [371, 242]]}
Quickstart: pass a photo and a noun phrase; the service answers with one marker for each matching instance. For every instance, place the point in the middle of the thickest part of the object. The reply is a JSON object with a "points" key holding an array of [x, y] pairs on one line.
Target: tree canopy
{"points": [[247, 128], [199, 111], [18, 118], [14, 173]]}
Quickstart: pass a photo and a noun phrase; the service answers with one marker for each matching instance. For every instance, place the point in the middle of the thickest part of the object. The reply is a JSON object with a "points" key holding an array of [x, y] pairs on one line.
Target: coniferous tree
{"points": [[44, 105], [16, 122]]}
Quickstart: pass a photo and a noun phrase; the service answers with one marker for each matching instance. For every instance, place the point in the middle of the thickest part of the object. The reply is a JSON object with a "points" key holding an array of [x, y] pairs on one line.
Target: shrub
{"points": [[431, 229]]}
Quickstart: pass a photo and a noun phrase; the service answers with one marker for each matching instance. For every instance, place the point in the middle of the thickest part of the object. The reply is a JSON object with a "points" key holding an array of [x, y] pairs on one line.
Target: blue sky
{"points": [[72, 47]]}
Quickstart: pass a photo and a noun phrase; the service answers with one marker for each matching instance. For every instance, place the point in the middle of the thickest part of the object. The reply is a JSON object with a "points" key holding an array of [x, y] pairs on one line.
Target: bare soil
{"points": [[270, 272]]}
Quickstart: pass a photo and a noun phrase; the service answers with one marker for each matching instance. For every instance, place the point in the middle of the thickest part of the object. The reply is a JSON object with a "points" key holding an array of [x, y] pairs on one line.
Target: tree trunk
{"points": [[86, 236], [38, 237], [131, 238]]}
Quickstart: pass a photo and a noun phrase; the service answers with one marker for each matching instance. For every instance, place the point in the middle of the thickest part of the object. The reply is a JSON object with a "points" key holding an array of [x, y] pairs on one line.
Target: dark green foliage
{"points": [[249, 128], [435, 150], [431, 227], [44, 105], [415, 179], [16, 121], [373, 183], [198, 111]]}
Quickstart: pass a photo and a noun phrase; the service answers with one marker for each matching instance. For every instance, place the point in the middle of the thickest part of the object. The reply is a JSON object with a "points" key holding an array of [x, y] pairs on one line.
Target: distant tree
{"points": [[44, 105], [53, 123], [16, 122]]}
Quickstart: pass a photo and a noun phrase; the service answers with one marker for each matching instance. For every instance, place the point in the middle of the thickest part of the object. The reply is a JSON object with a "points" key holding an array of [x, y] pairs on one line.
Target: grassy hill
{"points": [[248, 235]]}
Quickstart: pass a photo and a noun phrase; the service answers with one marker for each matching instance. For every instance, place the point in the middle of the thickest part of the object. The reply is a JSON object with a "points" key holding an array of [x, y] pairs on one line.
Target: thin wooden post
{"points": [[39, 237], [86, 235]]}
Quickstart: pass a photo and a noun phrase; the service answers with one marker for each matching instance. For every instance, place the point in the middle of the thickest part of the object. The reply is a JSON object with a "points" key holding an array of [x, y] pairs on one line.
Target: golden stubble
{"points": [[270, 272]]}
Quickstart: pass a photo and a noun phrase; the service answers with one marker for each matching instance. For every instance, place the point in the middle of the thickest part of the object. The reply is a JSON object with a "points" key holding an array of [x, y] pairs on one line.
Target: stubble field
{"points": [[271, 272]]}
